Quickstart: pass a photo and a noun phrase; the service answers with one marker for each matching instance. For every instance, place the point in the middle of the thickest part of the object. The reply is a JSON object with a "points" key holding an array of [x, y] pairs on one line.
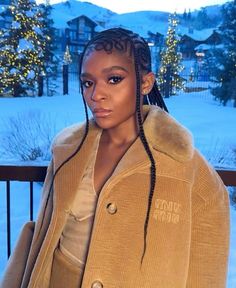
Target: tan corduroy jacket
{"points": [[188, 231]]}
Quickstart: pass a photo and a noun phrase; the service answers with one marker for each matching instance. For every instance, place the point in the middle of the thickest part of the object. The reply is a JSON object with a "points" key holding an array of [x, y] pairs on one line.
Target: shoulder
{"points": [[167, 135], [74, 133], [208, 187], [69, 134]]}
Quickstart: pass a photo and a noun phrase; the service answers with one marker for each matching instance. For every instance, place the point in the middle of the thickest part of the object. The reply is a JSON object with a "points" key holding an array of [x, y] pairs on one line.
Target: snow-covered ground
{"points": [[212, 125]]}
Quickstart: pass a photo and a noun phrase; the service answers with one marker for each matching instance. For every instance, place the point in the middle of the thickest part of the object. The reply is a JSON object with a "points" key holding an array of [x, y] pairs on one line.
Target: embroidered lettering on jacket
{"points": [[167, 211]]}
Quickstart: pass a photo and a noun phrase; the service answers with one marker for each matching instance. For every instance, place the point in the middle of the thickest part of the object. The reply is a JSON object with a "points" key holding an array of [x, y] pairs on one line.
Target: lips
{"points": [[101, 113]]}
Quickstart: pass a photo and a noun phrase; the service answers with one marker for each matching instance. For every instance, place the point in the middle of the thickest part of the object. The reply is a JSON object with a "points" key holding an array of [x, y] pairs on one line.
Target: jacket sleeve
{"points": [[210, 231], [17, 263]]}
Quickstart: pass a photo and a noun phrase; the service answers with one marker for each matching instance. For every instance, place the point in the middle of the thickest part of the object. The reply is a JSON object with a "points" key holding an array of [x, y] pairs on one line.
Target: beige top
{"points": [[75, 237]]}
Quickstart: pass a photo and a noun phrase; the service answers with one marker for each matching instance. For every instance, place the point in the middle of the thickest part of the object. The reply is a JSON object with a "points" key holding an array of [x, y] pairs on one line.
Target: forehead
{"points": [[102, 58]]}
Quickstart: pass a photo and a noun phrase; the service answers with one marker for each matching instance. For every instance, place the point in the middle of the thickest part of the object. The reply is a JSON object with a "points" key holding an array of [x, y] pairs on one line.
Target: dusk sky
{"points": [[123, 6]]}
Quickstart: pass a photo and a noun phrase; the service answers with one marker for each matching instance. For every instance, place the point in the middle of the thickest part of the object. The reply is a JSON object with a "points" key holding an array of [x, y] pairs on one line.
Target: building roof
{"points": [[83, 16], [198, 35]]}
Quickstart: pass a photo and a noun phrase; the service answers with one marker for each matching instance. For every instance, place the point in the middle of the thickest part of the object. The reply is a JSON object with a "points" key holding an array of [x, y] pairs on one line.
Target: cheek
{"points": [[87, 98]]}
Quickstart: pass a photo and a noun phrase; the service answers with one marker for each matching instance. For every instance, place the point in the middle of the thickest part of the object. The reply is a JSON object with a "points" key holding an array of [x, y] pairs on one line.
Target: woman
{"points": [[128, 201]]}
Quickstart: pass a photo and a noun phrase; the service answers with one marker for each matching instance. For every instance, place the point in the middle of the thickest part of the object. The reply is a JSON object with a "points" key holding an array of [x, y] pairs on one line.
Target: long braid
{"points": [[147, 149], [155, 98], [70, 157], [66, 161]]}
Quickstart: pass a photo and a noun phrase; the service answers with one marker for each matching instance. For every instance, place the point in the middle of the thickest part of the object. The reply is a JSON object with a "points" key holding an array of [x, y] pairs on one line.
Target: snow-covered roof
{"points": [[205, 47], [199, 35], [65, 11], [82, 15], [202, 47]]}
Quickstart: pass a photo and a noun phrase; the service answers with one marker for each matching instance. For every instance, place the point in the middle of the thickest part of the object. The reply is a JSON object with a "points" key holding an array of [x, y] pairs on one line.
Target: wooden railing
{"points": [[37, 174], [29, 174]]}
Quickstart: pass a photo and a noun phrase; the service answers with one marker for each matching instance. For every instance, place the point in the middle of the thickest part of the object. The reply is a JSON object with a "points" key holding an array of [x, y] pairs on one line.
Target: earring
{"points": [[145, 92]]}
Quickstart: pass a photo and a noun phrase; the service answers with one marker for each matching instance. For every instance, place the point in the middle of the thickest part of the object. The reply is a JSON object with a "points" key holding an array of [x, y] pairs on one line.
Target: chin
{"points": [[103, 124]]}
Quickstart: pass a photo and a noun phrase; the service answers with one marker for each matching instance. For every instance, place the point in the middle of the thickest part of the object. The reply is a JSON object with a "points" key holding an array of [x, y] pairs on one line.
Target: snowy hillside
{"points": [[65, 11], [140, 22]]}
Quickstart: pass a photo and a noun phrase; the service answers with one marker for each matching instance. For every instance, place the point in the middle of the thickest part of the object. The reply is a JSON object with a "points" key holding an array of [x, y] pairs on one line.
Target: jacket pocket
{"points": [[64, 272]]}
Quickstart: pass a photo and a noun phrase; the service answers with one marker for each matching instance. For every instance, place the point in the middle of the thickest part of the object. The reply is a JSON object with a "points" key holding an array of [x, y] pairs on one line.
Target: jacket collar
{"points": [[163, 133], [166, 135]]}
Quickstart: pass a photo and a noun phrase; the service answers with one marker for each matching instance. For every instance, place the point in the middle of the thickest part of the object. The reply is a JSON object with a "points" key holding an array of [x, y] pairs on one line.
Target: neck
{"points": [[120, 136]]}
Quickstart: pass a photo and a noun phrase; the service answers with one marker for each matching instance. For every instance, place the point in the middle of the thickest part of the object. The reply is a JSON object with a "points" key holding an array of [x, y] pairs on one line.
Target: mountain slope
{"points": [[65, 11], [140, 22]]}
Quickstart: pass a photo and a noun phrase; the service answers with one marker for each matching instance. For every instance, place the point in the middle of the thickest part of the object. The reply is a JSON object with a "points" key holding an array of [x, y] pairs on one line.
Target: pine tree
{"points": [[202, 20], [22, 49], [223, 59], [169, 78], [185, 15], [50, 59], [189, 16]]}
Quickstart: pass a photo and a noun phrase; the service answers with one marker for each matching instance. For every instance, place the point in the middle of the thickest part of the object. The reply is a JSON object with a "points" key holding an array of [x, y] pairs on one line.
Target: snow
{"points": [[15, 25], [31, 75], [14, 71], [65, 11], [205, 47], [140, 22], [30, 14], [199, 35], [24, 44], [37, 30], [211, 124]]}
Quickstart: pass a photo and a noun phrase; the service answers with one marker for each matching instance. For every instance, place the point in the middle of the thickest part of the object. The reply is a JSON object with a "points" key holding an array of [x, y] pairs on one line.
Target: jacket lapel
{"points": [[69, 175], [65, 187]]}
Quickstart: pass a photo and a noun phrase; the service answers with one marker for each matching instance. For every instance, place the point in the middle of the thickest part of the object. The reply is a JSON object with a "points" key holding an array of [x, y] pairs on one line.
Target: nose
{"points": [[98, 93]]}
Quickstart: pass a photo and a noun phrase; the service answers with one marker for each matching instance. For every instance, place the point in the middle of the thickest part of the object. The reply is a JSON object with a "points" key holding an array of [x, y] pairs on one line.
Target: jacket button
{"points": [[96, 284], [111, 208]]}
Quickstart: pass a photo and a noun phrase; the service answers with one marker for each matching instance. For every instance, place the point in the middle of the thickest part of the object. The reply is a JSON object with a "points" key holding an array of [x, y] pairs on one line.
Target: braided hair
{"points": [[126, 41]]}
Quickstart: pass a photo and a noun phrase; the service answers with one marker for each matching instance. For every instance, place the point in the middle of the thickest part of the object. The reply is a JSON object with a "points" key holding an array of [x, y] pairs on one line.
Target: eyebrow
{"points": [[106, 70], [116, 67]]}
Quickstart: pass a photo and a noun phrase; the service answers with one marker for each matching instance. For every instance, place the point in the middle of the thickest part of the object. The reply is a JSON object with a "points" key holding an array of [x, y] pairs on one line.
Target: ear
{"points": [[147, 83]]}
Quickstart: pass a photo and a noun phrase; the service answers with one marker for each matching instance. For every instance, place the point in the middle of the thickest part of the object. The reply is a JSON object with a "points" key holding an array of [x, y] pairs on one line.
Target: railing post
{"points": [[8, 196], [31, 200]]}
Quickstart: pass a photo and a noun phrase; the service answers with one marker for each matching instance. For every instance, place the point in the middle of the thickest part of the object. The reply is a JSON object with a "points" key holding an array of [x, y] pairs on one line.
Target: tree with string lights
{"points": [[22, 49], [50, 59], [169, 78]]}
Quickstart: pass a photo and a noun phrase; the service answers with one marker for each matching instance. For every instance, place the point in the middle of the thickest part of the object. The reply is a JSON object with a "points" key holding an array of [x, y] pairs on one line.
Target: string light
{"points": [[67, 57], [171, 58], [21, 62]]}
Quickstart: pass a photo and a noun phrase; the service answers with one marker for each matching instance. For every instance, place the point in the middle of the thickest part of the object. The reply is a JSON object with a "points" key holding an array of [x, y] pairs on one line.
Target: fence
{"points": [[37, 174], [68, 74]]}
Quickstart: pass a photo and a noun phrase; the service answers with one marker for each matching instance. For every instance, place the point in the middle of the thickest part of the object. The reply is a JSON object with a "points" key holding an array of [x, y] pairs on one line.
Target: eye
{"points": [[115, 79], [87, 83]]}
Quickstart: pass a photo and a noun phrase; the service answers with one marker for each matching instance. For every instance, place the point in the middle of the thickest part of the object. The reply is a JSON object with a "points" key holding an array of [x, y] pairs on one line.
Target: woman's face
{"points": [[109, 88]]}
